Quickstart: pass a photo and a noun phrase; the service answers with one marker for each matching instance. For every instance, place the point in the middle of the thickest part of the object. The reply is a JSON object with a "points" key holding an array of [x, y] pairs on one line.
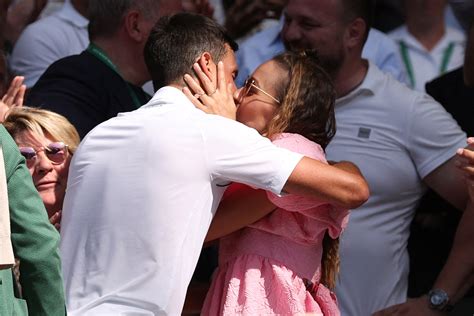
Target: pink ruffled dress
{"points": [[272, 267]]}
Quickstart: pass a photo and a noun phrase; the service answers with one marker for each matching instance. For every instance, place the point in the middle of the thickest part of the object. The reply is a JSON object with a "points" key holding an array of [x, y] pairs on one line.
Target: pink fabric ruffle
{"points": [[254, 285], [272, 267]]}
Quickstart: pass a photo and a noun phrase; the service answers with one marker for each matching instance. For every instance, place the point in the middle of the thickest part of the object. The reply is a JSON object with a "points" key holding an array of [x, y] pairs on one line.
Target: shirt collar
{"points": [[70, 14], [369, 85], [450, 36], [169, 95], [274, 33]]}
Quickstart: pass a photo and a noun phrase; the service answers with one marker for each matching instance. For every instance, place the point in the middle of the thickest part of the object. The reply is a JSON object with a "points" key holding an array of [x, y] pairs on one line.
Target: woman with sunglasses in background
{"points": [[281, 255], [47, 141]]}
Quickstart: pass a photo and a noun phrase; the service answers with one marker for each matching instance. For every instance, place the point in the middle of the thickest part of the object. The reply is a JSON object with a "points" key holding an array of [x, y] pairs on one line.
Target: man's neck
{"points": [[128, 60], [80, 6], [427, 32], [350, 76]]}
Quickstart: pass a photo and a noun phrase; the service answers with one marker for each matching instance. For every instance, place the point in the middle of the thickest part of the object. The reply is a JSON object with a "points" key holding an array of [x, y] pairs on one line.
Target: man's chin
{"points": [[295, 47]]}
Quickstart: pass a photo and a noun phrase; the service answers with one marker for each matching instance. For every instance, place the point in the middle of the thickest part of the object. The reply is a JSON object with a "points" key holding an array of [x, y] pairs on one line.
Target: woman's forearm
{"points": [[242, 207]]}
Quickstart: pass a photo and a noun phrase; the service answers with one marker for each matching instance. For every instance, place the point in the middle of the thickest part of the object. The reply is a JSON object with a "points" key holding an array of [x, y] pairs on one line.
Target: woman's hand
{"points": [[13, 98], [55, 219], [466, 164], [212, 98]]}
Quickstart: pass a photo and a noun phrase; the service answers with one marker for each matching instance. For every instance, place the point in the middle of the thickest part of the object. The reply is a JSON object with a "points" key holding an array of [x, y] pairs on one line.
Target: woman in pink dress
{"points": [[284, 263]]}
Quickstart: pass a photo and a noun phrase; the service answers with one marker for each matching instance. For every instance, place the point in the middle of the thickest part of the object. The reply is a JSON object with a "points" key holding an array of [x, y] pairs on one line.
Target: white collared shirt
{"points": [[426, 65], [43, 42], [142, 190], [396, 136]]}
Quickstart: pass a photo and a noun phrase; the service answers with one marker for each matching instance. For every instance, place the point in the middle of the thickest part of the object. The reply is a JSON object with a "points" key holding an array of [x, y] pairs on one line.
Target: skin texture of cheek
{"points": [[257, 116], [52, 187]]}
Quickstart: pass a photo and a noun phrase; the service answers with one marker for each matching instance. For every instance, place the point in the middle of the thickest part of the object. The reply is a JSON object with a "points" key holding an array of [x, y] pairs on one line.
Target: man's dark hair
{"points": [[106, 16], [177, 41], [364, 9]]}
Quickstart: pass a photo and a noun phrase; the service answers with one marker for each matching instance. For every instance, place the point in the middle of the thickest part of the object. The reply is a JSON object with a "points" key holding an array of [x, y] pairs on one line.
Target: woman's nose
{"points": [[43, 164]]}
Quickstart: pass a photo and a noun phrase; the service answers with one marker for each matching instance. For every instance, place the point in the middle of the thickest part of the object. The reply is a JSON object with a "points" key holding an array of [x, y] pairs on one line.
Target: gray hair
{"points": [[106, 16]]}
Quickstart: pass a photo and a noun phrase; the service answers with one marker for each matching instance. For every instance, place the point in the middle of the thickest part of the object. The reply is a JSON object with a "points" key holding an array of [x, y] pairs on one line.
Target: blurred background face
{"points": [[425, 7], [319, 25], [257, 109], [50, 179]]}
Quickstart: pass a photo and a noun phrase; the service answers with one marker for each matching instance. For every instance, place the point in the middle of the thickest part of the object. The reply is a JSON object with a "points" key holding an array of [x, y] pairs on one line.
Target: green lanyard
{"points": [[100, 54], [448, 53]]}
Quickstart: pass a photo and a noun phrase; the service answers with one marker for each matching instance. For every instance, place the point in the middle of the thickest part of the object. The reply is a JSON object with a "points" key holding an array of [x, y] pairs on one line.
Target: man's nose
{"points": [[291, 32], [236, 95]]}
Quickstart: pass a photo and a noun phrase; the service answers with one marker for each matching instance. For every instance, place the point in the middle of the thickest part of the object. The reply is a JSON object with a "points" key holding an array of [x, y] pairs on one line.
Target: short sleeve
{"points": [[433, 136], [238, 153], [304, 146]]}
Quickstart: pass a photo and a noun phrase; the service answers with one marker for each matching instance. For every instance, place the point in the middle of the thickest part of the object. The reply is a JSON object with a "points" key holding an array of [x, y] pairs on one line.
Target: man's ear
{"points": [[206, 62], [133, 23], [355, 33]]}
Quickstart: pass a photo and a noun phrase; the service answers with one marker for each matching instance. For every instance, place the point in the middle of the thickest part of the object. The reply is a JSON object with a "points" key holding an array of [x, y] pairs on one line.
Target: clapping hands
{"points": [[13, 98]]}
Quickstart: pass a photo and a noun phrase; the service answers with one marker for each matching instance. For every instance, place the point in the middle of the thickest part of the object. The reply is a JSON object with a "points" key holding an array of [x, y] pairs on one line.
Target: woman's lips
{"points": [[46, 184]]}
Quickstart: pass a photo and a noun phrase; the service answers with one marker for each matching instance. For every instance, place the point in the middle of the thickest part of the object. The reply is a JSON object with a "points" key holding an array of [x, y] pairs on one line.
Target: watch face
{"points": [[438, 298]]}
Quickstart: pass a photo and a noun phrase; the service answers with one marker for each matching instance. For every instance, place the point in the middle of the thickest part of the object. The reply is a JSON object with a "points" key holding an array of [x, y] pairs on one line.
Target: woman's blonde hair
{"points": [[43, 123]]}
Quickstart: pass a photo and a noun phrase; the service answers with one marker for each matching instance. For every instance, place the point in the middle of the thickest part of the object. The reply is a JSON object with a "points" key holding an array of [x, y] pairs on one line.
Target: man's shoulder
{"points": [[451, 79], [49, 22], [398, 33], [84, 62], [455, 35], [83, 68], [265, 37], [71, 79], [384, 85]]}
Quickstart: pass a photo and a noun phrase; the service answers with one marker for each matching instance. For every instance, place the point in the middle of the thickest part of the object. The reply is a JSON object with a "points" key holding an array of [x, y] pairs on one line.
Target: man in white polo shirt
{"points": [[143, 186], [401, 139], [427, 45]]}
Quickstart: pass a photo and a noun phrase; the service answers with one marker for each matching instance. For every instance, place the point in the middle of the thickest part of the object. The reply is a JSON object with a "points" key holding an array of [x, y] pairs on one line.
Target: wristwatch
{"points": [[439, 300]]}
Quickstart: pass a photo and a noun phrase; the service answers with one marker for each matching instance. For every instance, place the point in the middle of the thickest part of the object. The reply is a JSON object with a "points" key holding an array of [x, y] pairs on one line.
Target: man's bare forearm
{"points": [[341, 184]]}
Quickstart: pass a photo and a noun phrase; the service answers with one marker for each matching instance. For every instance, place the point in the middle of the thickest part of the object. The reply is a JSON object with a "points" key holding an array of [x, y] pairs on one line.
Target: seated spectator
{"points": [[32, 240], [61, 34], [18, 14], [428, 47], [47, 141], [106, 78]]}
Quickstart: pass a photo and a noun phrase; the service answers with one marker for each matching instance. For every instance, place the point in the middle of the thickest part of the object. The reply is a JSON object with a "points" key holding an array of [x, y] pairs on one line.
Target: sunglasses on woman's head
{"points": [[249, 84], [56, 152]]}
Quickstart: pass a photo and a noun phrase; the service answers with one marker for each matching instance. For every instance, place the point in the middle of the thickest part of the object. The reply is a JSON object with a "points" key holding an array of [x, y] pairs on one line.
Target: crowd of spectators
{"points": [[76, 74]]}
